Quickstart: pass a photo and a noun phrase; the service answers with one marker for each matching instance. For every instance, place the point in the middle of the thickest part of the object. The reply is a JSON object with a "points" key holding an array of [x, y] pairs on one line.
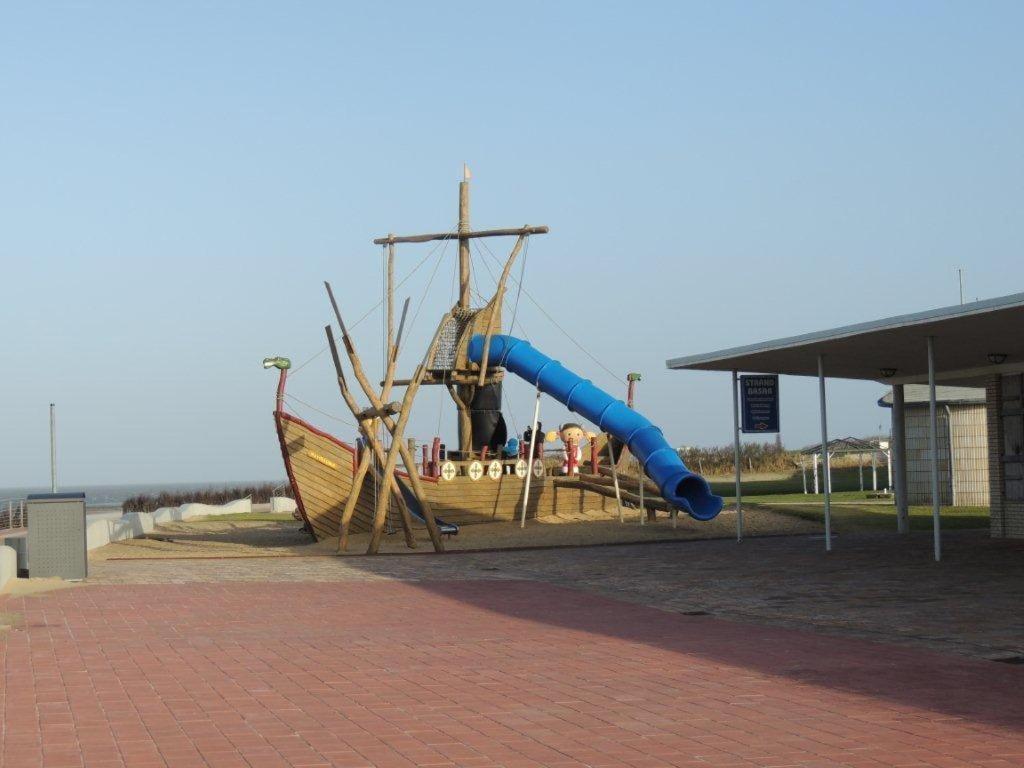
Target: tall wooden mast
{"points": [[464, 260], [463, 380], [463, 394]]}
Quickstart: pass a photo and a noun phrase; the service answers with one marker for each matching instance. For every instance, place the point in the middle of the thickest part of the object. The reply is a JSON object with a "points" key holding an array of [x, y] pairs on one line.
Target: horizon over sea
{"points": [[114, 495]]}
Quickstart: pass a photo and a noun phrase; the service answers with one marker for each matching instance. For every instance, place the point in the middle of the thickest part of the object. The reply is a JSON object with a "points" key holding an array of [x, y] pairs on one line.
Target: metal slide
{"points": [[679, 486], [416, 511]]}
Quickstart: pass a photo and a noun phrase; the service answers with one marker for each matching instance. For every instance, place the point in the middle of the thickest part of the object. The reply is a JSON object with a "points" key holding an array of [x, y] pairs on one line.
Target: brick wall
{"points": [[993, 409]]}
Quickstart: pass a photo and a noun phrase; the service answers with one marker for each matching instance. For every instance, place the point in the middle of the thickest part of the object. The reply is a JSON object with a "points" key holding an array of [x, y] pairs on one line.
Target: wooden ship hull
{"points": [[322, 468]]}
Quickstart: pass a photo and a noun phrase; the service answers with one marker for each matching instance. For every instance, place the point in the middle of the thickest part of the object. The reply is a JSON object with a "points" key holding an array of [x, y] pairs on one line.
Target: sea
{"points": [[105, 497]]}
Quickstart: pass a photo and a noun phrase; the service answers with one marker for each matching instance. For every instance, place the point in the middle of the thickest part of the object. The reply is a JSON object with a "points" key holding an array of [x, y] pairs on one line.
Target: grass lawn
{"points": [[852, 518], [838, 497], [844, 480]]}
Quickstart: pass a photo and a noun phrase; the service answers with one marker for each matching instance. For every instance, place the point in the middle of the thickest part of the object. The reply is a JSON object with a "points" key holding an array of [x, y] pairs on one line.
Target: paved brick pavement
{"points": [[883, 587], [524, 658], [481, 673]]}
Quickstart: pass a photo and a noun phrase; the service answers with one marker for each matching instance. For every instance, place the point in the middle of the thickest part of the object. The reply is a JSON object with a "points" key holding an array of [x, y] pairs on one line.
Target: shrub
{"points": [[148, 502], [755, 457]]}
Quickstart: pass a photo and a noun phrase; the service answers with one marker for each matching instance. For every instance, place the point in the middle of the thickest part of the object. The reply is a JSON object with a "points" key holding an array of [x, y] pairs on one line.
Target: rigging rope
{"points": [[554, 322], [290, 397], [298, 368], [505, 299], [430, 282], [376, 306], [519, 288]]}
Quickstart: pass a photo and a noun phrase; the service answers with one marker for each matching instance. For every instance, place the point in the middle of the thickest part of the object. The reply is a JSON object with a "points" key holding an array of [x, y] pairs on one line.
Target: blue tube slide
{"points": [[679, 486]]}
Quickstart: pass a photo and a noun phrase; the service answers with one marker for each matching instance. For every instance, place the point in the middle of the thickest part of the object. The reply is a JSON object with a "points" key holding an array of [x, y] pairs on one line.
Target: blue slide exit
{"points": [[679, 486]]}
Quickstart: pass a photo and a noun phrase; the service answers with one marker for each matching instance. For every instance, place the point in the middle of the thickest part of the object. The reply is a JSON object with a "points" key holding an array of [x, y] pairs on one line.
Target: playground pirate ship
{"points": [[342, 488]]}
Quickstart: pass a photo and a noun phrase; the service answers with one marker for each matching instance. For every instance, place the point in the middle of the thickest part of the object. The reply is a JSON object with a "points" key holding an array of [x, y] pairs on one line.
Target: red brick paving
{"points": [[471, 673]]}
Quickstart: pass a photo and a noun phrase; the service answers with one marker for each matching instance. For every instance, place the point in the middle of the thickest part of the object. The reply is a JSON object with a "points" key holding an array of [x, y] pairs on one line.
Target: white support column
{"points": [[815, 459], [933, 442], [803, 473], [826, 463], [824, 452], [529, 463], [898, 448], [736, 452], [874, 471]]}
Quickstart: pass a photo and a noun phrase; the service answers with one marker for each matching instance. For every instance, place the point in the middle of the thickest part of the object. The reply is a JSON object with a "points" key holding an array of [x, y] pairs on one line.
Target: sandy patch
{"points": [[284, 539], [27, 587]]}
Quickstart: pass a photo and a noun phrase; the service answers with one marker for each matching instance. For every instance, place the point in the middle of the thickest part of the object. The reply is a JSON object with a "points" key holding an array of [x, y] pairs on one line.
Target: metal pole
{"points": [[933, 442], [898, 449], [874, 471], [803, 474], [826, 463], [814, 458], [53, 448], [860, 469], [824, 452], [736, 452], [529, 464]]}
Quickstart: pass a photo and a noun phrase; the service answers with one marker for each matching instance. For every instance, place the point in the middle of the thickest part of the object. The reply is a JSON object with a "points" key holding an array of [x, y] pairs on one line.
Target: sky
{"points": [[177, 180]]}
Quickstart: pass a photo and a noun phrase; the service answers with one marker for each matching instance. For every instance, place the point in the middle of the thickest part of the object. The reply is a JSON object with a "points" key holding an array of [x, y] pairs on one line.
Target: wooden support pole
{"points": [[389, 423], [401, 329], [368, 428], [643, 510], [465, 417], [387, 409], [499, 296], [398, 445], [365, 460], [468, 235], [390, 305], [615, 478]]}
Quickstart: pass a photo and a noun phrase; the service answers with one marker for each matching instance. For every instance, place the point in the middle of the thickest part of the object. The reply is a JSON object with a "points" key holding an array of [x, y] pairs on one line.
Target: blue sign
{"points": [[759, 401]]}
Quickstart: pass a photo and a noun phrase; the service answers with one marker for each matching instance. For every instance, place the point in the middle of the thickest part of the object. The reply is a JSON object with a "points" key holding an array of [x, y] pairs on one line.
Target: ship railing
{"points": [[13, 514], [552, 463]]}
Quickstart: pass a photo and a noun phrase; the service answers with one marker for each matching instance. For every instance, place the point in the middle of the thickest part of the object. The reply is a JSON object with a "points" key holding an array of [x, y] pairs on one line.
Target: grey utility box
{"points": [[56, 535]]}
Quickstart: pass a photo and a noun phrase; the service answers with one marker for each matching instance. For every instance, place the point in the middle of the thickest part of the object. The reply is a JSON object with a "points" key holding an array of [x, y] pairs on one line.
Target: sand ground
{"points": [[244, 538]]}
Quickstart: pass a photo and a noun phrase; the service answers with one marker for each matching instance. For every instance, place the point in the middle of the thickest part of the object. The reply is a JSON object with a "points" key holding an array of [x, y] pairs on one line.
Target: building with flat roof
{"points": [[962, 440], [977, 345]]}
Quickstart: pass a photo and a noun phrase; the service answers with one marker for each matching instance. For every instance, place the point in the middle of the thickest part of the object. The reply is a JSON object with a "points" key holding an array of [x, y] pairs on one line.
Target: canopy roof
{"points": [[891, 350], [917, 394], [843, 445]]}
